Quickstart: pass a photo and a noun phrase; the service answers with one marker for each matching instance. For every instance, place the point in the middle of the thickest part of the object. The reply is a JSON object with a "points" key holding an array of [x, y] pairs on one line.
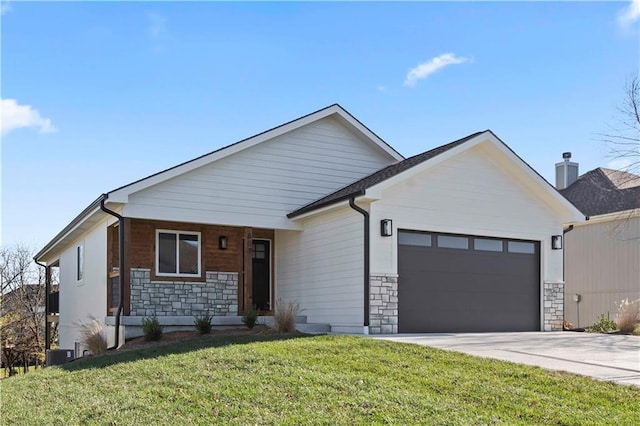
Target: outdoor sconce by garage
{"points": [[222, 242], [556, 242], [386, 228]]}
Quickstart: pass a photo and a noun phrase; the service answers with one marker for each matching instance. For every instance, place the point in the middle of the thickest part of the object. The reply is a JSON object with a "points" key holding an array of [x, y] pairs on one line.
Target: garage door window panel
{"points": [[521, 247], [486, 244], [414, 239], [449, 241]]}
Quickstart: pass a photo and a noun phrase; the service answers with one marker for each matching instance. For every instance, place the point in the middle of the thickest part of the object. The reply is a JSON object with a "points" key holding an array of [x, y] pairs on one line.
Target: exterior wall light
{"points": [[222, 242], [386, 228], [556, 242]]}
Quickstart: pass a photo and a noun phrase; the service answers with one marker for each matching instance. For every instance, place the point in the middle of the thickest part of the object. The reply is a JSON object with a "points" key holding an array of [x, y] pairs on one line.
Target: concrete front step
{"points": [[313, 328]]}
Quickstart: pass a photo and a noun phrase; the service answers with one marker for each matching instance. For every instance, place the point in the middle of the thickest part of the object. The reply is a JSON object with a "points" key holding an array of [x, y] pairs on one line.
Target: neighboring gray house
{"points": [[323, 212], [602, 255]]}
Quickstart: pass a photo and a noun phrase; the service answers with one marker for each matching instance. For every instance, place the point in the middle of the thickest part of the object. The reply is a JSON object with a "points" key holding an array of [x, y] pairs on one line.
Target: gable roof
{"points": [[603, 191], [121, 194], [371, 185], [359, 187], [93, 213]]}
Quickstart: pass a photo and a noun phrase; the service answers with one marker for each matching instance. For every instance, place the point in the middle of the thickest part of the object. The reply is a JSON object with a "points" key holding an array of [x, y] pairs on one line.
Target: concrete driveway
{"points": [[603, 357]]}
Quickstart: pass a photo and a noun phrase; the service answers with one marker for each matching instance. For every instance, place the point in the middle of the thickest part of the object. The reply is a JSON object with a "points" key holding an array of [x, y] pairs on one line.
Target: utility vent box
{"points": [[59, 356]]}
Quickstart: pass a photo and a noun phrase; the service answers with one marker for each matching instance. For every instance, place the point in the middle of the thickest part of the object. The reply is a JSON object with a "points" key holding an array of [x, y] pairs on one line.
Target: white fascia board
{"points": [[486, 137], [358, 126], [608, 217], [91, 218], [121, 195], [375, 191], [574, 215], [358, 199]]}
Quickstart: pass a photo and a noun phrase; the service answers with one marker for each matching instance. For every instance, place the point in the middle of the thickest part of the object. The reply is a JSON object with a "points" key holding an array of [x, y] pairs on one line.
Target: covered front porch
{"points": [[179, 271]]}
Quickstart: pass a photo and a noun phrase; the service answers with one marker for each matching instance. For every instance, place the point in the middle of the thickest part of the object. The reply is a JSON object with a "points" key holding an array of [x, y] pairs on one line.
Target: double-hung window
{"points": [[177, 253]]}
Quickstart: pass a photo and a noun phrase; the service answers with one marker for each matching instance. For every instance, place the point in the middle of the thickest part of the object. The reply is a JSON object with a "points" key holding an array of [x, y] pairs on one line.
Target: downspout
{"points": [[364, 213], [120, 266], [47, 287], [564, 260], [564, 242]]}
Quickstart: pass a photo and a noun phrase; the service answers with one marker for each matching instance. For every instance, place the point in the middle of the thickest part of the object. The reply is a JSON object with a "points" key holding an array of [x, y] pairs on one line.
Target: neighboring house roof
{"points": [[359, 187], [92, 214], [603, 191], [369, 185]]}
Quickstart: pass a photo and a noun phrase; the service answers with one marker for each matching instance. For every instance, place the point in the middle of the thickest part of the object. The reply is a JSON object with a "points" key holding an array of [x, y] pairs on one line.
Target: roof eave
{"points": [[77, 221], [306, 211], [121, 194]]}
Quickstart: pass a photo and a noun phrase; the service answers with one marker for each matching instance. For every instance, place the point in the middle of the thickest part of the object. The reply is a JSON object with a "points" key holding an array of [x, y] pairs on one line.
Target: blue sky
{"points": [[96, 95]]}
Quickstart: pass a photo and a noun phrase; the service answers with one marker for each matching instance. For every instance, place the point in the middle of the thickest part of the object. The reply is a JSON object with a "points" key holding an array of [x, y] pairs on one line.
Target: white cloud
{"points": [[158, 24], [630, 14], [425, 69], [16, 116], [4, 7]]}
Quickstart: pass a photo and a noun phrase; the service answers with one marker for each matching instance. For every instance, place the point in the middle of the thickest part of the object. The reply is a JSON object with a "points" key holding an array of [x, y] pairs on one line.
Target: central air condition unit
{"points": [[59, 356]]}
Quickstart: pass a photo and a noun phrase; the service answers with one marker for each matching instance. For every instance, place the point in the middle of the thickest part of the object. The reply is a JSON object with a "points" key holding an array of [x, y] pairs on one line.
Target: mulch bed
{"points": [[139, 342]]}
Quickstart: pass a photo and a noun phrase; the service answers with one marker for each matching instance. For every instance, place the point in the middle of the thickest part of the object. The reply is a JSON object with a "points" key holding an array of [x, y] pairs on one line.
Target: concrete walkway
{"points": [[603, 357]]}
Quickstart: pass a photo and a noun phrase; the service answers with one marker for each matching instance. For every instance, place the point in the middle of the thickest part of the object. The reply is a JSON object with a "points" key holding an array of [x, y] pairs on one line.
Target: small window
{"points": [[414, 239], [485, 244], [177, 253], [521, 247], [448, 241], [259, 251], [80, 262]]}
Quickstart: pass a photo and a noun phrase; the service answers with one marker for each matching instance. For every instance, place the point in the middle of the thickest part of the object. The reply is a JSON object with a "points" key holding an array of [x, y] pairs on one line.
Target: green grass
{"points": [[258, 379]]}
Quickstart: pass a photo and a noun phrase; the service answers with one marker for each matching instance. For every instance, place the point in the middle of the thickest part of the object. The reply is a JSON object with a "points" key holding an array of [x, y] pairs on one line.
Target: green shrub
{"points": [[203, 323], [285, 316], [151, 328], [250, 316], [603, 325]]}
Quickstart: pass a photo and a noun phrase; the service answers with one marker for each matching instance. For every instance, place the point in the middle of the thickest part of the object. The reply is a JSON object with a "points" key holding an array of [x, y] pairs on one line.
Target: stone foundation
{"points": [[217, 296], [383, 304], [553, 305]]}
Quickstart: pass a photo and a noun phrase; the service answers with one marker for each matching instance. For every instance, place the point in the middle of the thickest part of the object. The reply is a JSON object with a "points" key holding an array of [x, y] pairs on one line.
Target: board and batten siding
{"points": [[472, 193], [321, 268], [259, 186], [602, 265], [81, 301]]}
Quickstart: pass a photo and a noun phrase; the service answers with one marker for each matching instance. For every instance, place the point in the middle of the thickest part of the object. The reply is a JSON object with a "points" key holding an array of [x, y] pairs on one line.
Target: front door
{"points": [[261, 275]]}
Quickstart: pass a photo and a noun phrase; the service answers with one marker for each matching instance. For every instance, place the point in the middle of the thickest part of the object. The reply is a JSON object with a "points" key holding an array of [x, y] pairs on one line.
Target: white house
{"points": [[320, 210]]}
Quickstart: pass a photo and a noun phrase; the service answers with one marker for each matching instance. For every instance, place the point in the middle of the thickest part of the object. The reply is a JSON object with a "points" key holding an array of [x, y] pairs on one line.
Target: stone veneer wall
{"points": [[553, 299], [217, 296], [383, 304]]}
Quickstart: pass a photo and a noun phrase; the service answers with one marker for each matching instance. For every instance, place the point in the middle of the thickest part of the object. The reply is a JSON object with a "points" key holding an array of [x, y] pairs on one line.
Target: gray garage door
{"points": [[462, 283]]}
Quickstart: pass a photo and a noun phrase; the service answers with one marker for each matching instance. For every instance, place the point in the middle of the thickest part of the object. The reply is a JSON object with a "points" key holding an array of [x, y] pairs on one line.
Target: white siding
{"points": [[82, 300], [322, 268], [603, 267], [259, 186], [470, 193]]}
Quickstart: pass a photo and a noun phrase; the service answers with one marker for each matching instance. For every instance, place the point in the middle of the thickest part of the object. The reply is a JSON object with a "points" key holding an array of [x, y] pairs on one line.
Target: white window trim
{"points": [[177, 233]]}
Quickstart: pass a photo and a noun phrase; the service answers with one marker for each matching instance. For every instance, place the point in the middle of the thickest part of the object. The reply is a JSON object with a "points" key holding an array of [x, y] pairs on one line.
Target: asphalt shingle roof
{"points": [[603, 191], [359, 187]]}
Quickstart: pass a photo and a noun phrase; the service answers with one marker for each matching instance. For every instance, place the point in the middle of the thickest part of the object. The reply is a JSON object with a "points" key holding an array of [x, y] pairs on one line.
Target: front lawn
{"points": [[261, 379]]}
